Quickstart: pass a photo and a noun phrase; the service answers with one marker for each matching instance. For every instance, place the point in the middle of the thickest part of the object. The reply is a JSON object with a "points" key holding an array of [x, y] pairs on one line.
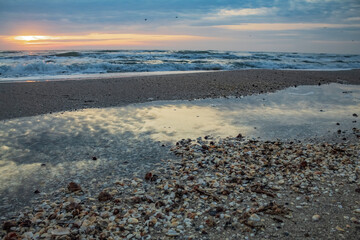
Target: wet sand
{"points": [[33, 98]]}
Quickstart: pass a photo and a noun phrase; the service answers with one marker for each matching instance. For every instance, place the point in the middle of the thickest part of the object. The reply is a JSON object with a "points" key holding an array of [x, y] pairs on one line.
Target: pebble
{"points": [[172, 233], [104, 196], [254, 217], [133, 221], [60, 231], [340, 229], [215, 190], [73, 187], [316, 217]]}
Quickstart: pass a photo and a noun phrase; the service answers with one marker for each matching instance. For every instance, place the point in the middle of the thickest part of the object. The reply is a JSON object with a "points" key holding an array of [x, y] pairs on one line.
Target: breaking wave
{"points": [[15, 64]]}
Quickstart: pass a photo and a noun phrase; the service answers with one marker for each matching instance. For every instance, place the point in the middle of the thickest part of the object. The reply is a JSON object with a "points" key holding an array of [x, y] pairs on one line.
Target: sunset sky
{"points": [[330, 26]]}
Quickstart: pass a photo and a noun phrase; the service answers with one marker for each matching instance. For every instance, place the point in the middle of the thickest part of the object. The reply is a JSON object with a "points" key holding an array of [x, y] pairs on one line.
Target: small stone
{"points": [[29, 235], [210, 222], [204, 147], [240, 136], [355, 220], [180, 227], [148, 176], [172, 233], [280, 182], [52, 216], [60, 231], [303, 165], [11, 236], [133, 221], [340, 229], [316, 217], [73, 187], [212, 212], [254, 217], [26, 223], [357, 210], [154, 178], [104, 196], [8, 225]]}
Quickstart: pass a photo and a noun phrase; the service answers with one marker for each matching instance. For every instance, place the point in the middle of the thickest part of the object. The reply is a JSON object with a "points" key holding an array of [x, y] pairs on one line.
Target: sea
{"points": [[56, 64]]}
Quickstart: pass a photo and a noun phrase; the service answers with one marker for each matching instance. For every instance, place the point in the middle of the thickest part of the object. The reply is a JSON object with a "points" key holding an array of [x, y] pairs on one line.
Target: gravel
{"points": [[229, 188]]}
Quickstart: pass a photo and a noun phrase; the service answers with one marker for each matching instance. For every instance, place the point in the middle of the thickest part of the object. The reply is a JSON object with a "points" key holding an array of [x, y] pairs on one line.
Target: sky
{"points": [[312, 26]]}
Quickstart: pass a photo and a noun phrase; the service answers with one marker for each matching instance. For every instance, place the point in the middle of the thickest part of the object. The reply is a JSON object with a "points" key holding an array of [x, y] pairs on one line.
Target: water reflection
{"points": [[301, 112], [125, 140]]}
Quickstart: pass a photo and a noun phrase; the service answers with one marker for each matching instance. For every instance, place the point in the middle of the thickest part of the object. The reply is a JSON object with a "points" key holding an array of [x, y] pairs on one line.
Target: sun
{"points": [[32, 38]]}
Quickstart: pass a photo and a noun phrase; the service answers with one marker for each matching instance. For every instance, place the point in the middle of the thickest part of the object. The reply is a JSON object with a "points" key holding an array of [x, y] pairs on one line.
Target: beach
{"points": [[204, 188], [32, 98], [194, 120]]}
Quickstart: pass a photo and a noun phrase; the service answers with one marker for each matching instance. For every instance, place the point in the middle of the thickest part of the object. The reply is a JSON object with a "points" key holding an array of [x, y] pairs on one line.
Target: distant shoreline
{"points": [[21, 99]]}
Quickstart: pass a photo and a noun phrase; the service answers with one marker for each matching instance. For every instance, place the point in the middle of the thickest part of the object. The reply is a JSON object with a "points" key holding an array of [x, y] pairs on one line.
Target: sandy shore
{"points": [[228, 188], [33, 98]]}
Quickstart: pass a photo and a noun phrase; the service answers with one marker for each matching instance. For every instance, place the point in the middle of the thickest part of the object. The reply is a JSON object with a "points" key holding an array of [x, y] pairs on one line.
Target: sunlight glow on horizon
{"points": [[98, 39], [32, 38]]}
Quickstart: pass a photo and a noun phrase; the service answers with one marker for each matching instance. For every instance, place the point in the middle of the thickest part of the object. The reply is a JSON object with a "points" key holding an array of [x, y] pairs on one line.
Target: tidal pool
{"points": [[45, 152]]}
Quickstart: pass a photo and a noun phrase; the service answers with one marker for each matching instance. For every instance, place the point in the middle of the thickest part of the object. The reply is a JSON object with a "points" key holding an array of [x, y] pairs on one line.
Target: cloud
{"points": [[353, 19], [232, 21], [284, 26], [322, 1], [245, 12], [240, 12]]}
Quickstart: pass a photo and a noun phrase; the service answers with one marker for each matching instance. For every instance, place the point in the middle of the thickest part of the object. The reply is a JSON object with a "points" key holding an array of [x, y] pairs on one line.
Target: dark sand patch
{"points": [[29, 99]]}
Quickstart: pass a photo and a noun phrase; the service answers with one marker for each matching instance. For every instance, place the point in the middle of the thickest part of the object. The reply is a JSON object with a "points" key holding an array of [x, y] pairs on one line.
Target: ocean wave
{"points": [[37, 63], [51, 68]]}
